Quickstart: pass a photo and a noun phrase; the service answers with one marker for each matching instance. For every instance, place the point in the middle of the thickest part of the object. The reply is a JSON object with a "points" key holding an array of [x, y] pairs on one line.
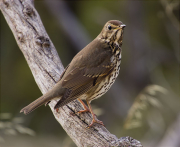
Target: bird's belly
{"points": [[105, 85]]}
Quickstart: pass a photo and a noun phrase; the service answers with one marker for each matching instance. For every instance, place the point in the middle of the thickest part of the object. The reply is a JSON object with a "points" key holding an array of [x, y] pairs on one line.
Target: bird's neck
{"points": [[115, 47]]}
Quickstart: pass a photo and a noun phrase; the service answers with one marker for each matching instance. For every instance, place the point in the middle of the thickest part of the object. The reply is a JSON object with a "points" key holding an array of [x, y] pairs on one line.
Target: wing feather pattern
{"points": [[88, 69]]}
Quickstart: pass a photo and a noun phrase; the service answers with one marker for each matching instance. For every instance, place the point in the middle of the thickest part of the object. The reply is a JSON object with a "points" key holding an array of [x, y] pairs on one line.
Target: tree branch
{"points": [[46, 68]]}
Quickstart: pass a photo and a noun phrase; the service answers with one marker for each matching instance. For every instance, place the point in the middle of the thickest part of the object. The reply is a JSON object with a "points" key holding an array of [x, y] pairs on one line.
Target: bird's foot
{"points": [[86, 109], [95, 120], [57, 110], [79, 112]]}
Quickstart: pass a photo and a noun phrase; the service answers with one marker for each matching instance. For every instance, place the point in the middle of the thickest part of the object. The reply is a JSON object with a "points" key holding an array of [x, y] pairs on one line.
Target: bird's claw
{"points": [[95, 120]]}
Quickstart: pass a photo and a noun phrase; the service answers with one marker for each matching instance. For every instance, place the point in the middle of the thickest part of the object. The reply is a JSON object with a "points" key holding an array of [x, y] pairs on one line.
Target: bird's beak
{"points": [[122, 26]]}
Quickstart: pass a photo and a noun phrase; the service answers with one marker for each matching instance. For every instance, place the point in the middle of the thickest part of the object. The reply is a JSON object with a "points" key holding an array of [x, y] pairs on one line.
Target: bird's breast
{"points": [[108, 81]]}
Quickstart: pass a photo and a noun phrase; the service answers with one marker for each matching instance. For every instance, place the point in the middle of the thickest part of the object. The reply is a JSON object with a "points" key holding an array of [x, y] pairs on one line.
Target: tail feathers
{"points": [[35, 104], [56, 92]]}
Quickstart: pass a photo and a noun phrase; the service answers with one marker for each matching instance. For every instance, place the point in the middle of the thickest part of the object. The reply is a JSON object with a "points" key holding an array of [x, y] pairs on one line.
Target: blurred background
{"points": [[144, 102]]}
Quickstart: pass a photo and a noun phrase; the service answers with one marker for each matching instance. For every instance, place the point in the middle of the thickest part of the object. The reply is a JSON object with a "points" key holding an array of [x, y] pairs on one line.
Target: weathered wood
{"points": [[46, 68]]}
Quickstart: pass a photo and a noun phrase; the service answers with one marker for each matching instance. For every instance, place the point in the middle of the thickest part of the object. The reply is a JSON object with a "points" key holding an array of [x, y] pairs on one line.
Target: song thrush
{"points": [[91, 72]]}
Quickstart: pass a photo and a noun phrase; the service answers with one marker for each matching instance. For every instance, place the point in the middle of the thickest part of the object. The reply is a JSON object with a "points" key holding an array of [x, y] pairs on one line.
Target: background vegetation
{"points": [[150, 58]]}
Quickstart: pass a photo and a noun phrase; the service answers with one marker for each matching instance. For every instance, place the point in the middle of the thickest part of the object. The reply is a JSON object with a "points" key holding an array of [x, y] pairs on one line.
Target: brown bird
{"points": [[91, 72]]}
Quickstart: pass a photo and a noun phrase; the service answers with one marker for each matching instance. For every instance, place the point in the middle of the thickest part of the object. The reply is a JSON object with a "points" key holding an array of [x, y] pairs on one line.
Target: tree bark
{"points": [[46, 67]]}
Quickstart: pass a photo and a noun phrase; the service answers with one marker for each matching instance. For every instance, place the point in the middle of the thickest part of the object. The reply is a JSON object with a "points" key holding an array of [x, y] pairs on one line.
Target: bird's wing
{"points": [[86, 71], [80, 79]]}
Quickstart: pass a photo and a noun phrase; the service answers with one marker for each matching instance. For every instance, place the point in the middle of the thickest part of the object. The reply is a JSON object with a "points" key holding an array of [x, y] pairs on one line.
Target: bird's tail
{"points": [[54, 93], [35, 104]]}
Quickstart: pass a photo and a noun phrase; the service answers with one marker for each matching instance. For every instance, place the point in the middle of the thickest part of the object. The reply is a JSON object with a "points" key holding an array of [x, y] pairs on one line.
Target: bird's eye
{"points": [[109, 27]]}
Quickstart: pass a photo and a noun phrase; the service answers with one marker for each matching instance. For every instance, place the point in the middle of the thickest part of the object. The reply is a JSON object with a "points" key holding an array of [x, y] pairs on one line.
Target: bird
{"points": [[90, 74]]}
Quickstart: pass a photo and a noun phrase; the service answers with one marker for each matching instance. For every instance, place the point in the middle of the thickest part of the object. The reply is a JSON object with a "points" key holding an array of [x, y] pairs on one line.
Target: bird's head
{"points": [[113, 32]]}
